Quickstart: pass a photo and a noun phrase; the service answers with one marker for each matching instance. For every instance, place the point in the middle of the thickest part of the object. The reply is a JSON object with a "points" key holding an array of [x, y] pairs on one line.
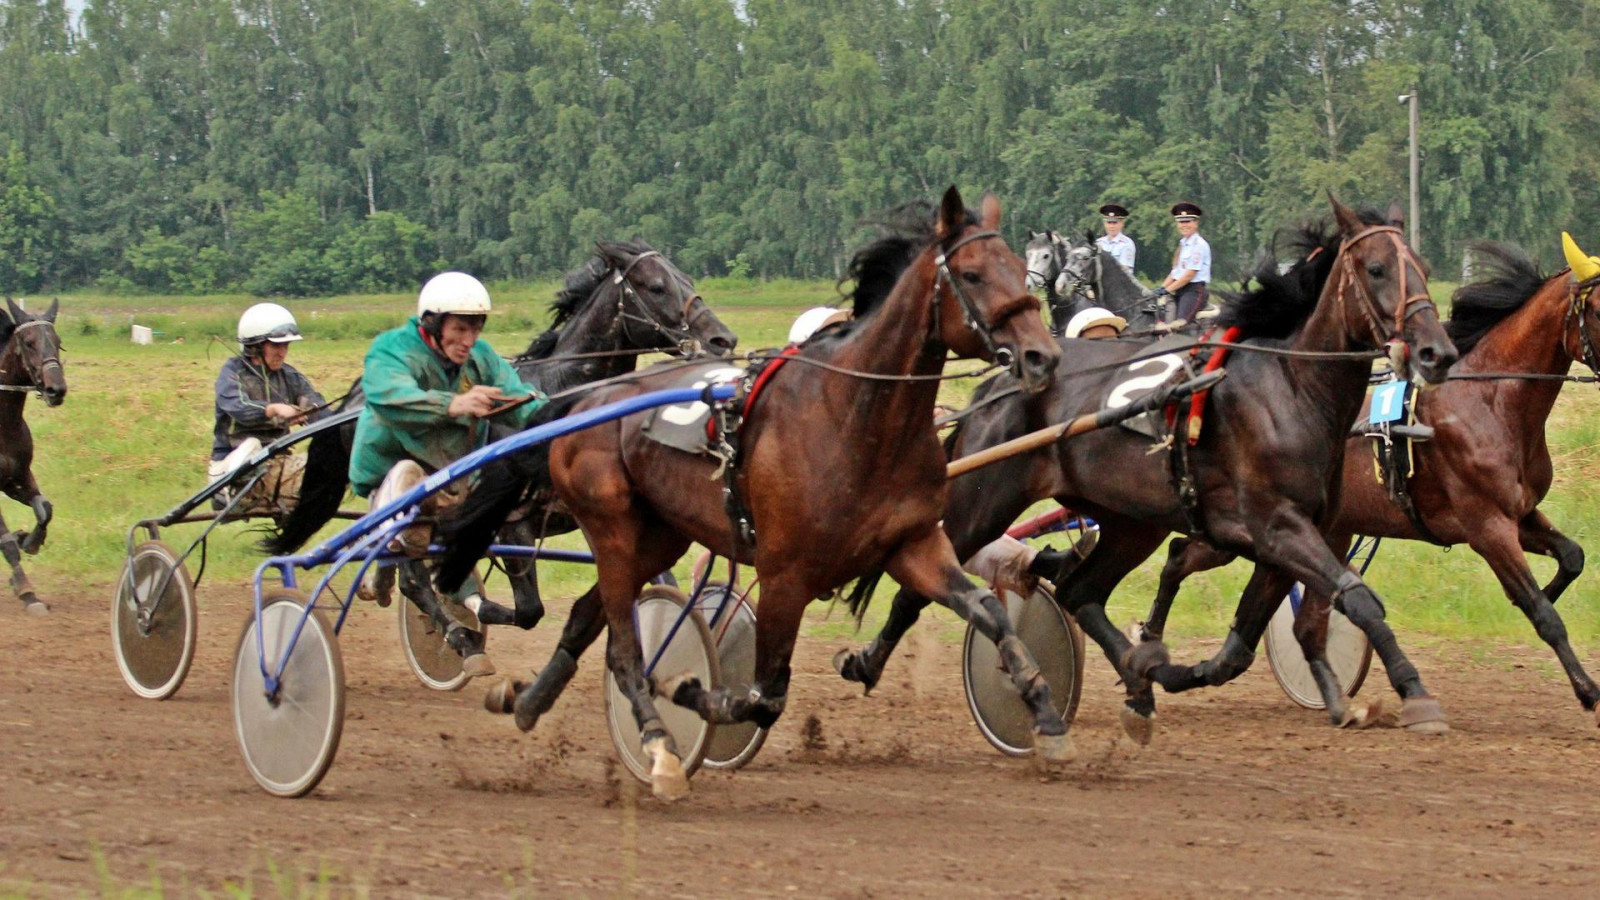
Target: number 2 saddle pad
{"points": [[686, 426], [1159, 363]]}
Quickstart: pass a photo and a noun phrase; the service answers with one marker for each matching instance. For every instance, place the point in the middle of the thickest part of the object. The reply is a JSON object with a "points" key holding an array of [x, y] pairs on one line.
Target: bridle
{"points": [[969, 309], [1578, 295], [682, 336], [36, 373], [1048, 279], [1086, 285], [1383, 333]]}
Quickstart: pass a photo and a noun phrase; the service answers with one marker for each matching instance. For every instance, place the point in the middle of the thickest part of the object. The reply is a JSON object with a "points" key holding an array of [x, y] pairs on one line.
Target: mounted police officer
{"points": [[1191, 268], [430, 386], [259, 396], [1114, 243]]}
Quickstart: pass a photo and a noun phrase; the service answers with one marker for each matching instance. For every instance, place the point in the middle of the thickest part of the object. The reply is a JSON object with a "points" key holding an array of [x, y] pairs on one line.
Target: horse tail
{"points": [[860, 596], [322, 490], [501, 488]]}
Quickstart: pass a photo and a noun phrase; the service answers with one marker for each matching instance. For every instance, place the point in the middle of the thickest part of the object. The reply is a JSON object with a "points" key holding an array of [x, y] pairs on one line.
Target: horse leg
{"points": [[927, 566], [1311, 633], [784, 596], [524, 579], [1083, 593], [416, 586], [1498, 541], [1537, 535], [1294, 543], [530, 701], [1185, 557], [43, 512], [19, 579], [865, 666], [1260, 600]]}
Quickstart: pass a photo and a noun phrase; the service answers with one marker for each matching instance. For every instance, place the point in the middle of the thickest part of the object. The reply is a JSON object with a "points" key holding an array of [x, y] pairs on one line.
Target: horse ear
{"points": [[17, 313], [1034, 235], [1349, 222], [55, 307], [1395, 216], [989, 211], [608, 252], [952, 213]]}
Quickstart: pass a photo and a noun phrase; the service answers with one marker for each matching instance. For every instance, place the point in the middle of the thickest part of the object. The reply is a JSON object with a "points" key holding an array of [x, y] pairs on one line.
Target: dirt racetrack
{"points": [[897, 794]]}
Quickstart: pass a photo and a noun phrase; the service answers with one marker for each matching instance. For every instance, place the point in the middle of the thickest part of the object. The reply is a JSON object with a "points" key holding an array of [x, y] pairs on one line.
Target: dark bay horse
{"points": [[29, 362], [626, 298], [1481, 477], [841, 471], [1264, 471]]}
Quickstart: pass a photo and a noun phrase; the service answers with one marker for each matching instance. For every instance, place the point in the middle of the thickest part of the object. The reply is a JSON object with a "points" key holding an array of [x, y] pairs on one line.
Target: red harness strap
{"points": [[1197, 403], [764, 376]]}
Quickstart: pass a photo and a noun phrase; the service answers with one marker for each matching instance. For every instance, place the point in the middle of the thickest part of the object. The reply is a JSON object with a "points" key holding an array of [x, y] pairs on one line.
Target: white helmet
{"points": [[1089, 318], [810, 322], [267, 322], [453, 292]]}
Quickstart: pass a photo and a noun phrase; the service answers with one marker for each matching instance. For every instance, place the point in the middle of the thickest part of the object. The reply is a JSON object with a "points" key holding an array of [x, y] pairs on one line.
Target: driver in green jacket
{"points": [[430, 386]]}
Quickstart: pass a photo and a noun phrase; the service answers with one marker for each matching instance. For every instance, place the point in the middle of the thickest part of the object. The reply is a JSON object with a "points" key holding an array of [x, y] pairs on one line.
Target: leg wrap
{"points": [[1234, 659]]}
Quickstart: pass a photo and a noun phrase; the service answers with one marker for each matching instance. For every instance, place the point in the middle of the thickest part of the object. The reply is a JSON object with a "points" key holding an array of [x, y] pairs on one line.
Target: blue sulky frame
{"points": [[367, 539]]}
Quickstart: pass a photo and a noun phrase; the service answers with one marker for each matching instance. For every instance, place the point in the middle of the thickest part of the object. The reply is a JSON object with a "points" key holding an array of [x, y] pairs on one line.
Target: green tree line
{"points": [[312, 146]]}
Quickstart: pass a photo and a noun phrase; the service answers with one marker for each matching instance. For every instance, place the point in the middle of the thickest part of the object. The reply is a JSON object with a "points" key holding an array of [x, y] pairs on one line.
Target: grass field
{"points": [[132, 440]]}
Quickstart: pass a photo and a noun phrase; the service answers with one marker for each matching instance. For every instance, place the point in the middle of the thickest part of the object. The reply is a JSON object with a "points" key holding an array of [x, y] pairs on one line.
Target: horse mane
{"points": [[1280, 303], [1511, 280], [903, 231], [577, 286]]}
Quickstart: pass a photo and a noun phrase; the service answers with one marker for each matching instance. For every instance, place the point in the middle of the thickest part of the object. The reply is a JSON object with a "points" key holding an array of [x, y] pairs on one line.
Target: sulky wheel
{"points": [[435, 663], [657, 612], [1053, 640], [1348, 653], [153, 621], [289, 739], [733, 745]]}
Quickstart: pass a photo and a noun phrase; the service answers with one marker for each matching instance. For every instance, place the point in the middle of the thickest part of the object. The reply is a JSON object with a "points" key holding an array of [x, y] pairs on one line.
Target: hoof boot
{"points": [[1423, 715], [1056, 748]]}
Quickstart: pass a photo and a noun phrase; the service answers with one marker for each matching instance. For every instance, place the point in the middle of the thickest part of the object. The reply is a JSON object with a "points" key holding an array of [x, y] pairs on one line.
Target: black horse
{"points": [[1261, 478], [625, 300], [30, 361]]}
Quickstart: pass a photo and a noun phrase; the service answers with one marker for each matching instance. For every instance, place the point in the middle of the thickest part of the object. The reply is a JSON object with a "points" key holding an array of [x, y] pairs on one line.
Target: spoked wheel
{"points": [[1053, 640], [1349, 654], [732, 746], [288, 740], [435, 663], [153, 621], [690, 650]]}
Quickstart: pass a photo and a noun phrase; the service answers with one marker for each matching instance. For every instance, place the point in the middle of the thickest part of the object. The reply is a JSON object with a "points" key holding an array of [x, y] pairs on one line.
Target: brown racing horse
{"points": [[1481, 477], [1264, 471], [31, 361], [841, 471]]}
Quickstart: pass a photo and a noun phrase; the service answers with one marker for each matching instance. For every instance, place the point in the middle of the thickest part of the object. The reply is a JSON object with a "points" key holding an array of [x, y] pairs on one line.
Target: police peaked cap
{"points": [[1186, 209], [1114, 211]]}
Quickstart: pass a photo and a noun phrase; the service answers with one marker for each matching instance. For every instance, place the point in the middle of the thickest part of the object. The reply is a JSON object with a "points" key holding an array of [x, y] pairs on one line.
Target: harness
{"points": [[725, 425], [682, 336], [37, 376]]}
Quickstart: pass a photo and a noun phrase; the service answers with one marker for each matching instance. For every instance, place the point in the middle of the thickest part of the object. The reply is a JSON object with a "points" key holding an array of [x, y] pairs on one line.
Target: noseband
{"points": [[969, 309], [37, 374], [1383, 333], [683, 336]]}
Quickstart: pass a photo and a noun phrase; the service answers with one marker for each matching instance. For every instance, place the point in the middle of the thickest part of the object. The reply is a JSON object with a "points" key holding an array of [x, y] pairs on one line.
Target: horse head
{"points": [[981, 288], [655, 296], [1043, 262], [33, 341], [1391, 306], [1585, 306]]}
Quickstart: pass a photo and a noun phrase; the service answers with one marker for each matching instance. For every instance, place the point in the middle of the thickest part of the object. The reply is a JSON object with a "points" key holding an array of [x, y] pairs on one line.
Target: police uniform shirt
{"points": [[1121, 248], [1193, 253]]}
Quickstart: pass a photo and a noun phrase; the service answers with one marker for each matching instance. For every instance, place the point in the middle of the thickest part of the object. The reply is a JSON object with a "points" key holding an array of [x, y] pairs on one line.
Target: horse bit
{"points": [[38, 377]]}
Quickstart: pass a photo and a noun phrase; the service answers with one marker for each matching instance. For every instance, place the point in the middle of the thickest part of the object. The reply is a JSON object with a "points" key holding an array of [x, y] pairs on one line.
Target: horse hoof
{"points": [[477, 665], [1144, 657], [1140, 728], [1360, 715], [849, 666], [1056, 748], [36, 607], [501, 698], [1423, 715], [668, 781]]}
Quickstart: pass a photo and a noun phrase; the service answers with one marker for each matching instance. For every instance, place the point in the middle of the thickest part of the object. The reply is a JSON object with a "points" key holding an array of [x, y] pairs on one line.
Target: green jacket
{"points": [[408, 390]]}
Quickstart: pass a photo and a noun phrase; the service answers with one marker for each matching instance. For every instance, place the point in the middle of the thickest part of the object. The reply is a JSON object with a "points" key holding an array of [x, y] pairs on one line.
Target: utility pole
{"points": [[1415, 221]]}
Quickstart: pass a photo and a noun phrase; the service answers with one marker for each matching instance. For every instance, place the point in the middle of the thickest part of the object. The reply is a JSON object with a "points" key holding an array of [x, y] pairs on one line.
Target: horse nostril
{"points": [[723, 344], [1428, 355]]}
